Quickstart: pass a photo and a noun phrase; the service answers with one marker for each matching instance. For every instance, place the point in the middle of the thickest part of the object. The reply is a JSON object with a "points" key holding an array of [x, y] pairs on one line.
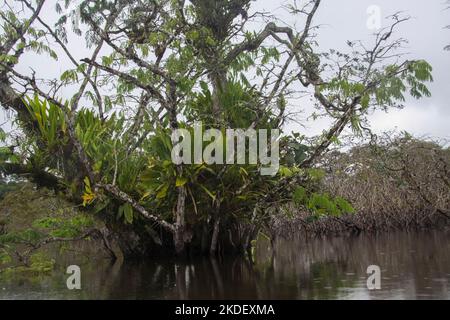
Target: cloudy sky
{"points": [[347, 20]]}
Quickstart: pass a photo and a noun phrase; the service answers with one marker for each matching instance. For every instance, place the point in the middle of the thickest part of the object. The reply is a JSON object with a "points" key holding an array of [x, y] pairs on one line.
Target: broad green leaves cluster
{"points": [[50, 121], [321, 204]]}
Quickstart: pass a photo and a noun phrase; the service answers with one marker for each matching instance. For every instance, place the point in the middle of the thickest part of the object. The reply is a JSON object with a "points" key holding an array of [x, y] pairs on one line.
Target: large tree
{"points": [[159, 65]]}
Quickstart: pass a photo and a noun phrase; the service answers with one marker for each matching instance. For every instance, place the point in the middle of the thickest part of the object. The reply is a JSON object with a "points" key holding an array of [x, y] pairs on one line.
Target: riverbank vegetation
{"points": [[396, 182], [37, 226], [156, 66], [383, 193]]}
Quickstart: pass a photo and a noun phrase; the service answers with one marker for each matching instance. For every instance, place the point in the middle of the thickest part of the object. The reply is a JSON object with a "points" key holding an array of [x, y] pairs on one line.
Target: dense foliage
{"points": [[161, 65]]}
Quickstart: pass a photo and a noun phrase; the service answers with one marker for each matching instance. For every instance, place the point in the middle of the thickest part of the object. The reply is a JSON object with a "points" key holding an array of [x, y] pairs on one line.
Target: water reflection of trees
{"points": [[413, 265]]}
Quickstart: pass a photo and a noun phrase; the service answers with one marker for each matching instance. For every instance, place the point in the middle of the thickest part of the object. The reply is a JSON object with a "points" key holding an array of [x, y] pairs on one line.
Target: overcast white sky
{"points": [[347, 20]]}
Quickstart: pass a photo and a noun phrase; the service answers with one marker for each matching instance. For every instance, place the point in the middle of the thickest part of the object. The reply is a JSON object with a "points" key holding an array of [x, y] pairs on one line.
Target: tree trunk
{"points": [[215, 237], [180, 236]]}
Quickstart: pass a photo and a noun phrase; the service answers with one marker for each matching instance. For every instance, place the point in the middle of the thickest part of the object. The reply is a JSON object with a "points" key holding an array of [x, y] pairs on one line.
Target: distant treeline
{"points": [[395, 183]]}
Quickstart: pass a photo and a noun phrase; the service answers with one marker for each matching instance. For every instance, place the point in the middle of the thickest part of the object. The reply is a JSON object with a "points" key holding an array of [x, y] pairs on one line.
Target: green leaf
{"points": [[162, 193], [181, 181], [299, 195], [344, 205], [120, 212], [285, 171], [128, 213], [87, 185], [208, 192], [100, 206]]}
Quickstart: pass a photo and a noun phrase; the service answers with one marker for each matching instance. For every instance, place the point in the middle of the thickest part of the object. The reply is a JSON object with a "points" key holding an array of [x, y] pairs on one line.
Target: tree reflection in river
{"points": [[414, 265]]}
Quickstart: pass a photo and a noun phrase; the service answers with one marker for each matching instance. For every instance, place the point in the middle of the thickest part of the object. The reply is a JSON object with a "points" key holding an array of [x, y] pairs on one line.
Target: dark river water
{"points": [[414, 265]]}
